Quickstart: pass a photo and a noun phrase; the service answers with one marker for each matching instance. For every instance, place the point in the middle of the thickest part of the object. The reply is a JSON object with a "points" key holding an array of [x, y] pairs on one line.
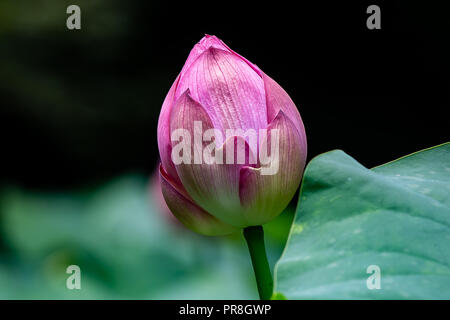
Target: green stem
{"points": [[255, 242]]}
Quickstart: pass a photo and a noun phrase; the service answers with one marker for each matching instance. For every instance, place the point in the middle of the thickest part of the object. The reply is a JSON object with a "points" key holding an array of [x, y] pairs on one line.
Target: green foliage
{"points": [[396, 216], [124, 247]]}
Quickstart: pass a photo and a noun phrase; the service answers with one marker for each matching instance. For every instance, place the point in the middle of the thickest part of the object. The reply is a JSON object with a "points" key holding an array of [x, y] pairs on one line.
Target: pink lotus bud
{"points": [[231, 141]]}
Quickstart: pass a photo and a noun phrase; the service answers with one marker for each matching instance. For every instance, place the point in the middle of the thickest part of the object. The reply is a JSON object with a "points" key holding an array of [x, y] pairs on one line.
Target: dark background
{"points": [[79, 107]]}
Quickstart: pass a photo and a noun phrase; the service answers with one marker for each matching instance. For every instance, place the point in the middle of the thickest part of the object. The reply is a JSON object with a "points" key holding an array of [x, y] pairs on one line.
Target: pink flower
{"points": [[223, 91]]}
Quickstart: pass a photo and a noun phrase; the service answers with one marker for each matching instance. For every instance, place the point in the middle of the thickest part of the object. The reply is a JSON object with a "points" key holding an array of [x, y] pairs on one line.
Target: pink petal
{"points": [[252, 65], [214, 187], [191, 215], [265, 196], [231, 92], [164, 143], [209, 41], [277, 99], [204, 44], [158, 199]]}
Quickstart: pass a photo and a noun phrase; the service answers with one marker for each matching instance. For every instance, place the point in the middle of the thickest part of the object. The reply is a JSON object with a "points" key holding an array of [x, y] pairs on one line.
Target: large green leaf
{"points": [[396, 216]]}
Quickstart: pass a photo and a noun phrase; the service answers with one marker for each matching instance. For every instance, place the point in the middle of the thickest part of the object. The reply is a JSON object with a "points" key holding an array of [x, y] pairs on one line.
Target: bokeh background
{"points": [[78, 114]]}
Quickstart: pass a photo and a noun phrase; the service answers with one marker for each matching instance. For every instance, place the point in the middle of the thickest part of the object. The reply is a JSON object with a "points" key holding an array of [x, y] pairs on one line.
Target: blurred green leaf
{"points": [[396, 216], [124, 247]]}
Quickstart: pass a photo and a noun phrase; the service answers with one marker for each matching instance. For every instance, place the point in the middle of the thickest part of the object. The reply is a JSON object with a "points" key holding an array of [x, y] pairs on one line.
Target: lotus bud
{"points": [[231, 141]]}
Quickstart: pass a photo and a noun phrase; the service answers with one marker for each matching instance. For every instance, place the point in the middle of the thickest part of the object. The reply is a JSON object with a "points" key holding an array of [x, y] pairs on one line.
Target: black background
{"points": [[350, 309], [79, 107]]}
